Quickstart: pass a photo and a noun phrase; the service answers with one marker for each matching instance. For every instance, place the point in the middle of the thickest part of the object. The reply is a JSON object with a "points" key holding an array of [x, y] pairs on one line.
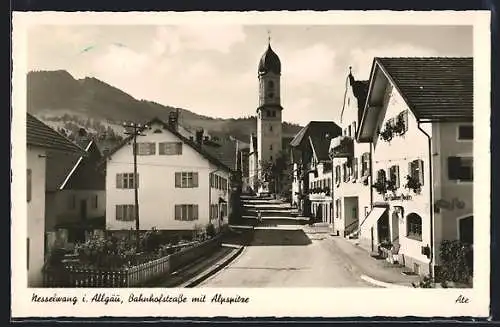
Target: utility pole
{"points": [[135, 130]]}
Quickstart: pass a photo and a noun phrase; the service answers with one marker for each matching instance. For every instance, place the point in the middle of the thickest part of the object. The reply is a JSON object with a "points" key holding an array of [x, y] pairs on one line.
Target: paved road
{"points": [[285, 256]]}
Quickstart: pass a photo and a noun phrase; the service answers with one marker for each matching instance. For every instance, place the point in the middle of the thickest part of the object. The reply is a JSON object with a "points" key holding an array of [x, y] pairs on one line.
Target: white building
{"points": [[182, 183], [312, 169], [418, 122], [351, 162], [40, 139]]}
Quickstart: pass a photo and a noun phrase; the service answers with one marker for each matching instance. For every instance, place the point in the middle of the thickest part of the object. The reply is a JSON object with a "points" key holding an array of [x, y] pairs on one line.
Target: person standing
{"points": [[259, 216]]}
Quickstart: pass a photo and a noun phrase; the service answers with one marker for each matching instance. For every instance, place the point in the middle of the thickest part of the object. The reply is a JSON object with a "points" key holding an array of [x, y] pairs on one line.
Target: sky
{"points": [[212, 69]]}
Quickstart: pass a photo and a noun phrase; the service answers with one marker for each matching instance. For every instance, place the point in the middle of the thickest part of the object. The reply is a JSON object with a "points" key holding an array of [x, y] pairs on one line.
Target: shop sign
{"points": [[393, 197]]}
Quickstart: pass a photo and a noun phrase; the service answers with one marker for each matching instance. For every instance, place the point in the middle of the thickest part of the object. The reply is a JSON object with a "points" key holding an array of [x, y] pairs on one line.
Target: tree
{"points": [[277, 173]]}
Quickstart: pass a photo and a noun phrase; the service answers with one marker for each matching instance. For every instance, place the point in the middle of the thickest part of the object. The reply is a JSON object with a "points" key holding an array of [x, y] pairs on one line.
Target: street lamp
{"points": [[135, 130]]}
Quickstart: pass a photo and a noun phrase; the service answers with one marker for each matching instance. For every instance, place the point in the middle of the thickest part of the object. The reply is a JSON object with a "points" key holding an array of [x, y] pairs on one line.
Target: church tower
{"points": [[269, 136]]}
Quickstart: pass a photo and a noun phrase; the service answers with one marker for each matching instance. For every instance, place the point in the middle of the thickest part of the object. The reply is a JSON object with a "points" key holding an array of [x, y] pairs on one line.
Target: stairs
{"points": [[275, 210]]}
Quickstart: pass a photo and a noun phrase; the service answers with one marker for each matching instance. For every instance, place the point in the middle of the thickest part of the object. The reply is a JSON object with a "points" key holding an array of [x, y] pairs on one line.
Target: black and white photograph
{"points": [[232, 155]]}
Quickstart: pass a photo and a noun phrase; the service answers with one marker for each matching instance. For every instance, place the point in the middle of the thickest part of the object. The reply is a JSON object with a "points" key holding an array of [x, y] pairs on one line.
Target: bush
{"points": [[456, 259], [210, 230]]}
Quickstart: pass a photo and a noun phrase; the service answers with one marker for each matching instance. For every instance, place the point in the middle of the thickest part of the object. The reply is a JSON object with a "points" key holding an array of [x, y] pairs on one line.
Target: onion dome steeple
{"points": [[269, 62]]}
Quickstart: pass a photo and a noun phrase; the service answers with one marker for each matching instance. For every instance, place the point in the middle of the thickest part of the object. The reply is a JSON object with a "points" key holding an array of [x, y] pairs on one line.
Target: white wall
{"points": [[157, 192], [36, 215], [400, 151], [353, 187]]}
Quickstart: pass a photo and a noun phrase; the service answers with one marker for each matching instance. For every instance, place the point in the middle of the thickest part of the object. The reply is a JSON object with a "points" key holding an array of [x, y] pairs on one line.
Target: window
{"points": [[460, 168], [394, 175], [270, 84], [187, 180], [146, 148], [414, 227], [214, 211], [365, 164], [355, 168], [271, 147], [125, 212], [94, 201], [127, 180], [271, 95], [28, 185], [170, 148], [345, 172], [416, 170], [337, 208], [186, 212], [268, 113], [465, 132], [337, 174], [271, 128], [381, 178]]}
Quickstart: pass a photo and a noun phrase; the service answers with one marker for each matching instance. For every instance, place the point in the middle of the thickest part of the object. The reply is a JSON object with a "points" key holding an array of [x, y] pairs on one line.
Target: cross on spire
{"points": [[268, 37]]}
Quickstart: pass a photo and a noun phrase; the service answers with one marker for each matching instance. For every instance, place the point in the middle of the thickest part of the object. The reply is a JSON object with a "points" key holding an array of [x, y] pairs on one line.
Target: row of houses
{"points": [[397, 169], [183, 181]]}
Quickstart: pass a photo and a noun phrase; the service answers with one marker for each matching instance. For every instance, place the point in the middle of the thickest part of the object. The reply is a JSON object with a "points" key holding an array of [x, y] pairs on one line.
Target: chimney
{"points": [[173, 119], [199, 136]]}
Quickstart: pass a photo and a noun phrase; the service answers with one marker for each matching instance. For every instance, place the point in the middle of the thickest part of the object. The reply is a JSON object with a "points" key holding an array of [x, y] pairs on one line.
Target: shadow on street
{"points": [[273, 237]]}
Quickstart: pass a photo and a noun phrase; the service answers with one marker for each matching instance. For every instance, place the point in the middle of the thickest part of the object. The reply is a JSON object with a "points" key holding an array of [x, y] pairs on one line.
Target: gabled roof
{"points": [[435, 89], [320, 148], [41, 135], [225, 151], [315, 130], [211, 157]]}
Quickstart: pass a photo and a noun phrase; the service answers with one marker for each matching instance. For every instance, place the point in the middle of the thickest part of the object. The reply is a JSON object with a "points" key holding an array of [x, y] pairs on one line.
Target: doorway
{"points": [[83, 210], [383, 229], [395, 226], [466, 230]]}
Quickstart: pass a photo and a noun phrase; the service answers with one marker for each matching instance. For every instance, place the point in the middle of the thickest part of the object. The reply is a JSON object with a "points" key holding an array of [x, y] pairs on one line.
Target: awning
{"points": [[374, 216]]}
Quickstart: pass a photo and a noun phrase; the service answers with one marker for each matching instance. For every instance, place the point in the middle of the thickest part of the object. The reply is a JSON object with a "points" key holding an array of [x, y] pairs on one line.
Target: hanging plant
{"points": [[399, 127], [391, 185], [413, 184], [388, 133], [380, 187]]}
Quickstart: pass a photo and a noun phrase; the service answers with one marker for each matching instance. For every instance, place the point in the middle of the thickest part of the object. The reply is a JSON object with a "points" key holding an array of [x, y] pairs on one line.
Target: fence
{"points": [[74, 276]]}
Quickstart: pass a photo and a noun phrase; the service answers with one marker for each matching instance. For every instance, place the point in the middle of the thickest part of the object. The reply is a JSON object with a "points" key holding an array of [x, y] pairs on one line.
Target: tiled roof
{"points": [[435, 89], [225, 152], [39, 134], [316, 129], [212, 157]]}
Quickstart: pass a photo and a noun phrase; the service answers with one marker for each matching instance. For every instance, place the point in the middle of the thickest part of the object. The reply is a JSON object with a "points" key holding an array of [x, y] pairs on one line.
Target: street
{"points": [[287, 256]]}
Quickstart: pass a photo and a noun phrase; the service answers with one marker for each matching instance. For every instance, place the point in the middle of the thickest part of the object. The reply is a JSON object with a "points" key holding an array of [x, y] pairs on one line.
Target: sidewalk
{"points": [[375, 271]]}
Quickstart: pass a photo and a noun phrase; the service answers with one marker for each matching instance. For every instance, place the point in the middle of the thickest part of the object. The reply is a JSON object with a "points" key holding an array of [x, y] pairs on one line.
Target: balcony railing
{"points": [[342, 147]]}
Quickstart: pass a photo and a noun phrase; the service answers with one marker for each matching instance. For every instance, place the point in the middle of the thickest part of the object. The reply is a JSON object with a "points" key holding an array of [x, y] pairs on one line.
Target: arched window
{"points": [[414, 226], [270, 84]]}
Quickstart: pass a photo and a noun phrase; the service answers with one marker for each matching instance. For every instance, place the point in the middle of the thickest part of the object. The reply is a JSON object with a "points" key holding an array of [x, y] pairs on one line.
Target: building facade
{"points": [[418, 122], [351, 165], [181, 185], [40, 139]]}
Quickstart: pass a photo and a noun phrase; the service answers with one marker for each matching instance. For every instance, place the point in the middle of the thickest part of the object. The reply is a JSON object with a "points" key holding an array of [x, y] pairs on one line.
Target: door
{"points": [[466, 227], [83, 210]]}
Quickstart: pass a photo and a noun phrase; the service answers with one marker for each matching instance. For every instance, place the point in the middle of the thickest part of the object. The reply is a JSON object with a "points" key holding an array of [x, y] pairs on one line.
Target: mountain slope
{"points": [[52, 94]]}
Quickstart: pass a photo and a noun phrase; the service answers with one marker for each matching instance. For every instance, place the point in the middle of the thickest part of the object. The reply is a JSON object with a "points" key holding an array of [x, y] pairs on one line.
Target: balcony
{"points": [[342, 147]]}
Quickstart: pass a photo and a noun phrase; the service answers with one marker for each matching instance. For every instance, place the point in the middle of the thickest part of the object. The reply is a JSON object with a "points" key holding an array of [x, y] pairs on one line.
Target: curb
{"points": [[212, 271], [380, 283]]}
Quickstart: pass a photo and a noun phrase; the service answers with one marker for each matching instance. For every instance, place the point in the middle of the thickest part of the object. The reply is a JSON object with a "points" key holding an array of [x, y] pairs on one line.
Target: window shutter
{"points": [[454, 167], [396, 174], [179, 148], [177, 180], [356, 168], [152, 148], [410, 169], [405, 120], [195, 212], [420, 164], [178, 212], [195, 179], [119, 181], [118, 212]]}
